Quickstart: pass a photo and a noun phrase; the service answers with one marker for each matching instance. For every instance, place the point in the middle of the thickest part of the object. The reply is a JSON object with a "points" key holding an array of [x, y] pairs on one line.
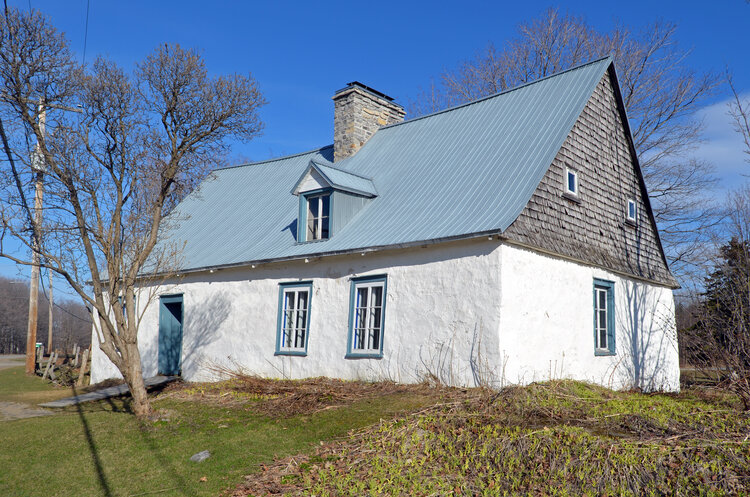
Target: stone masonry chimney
{"points": [[358, 112]]}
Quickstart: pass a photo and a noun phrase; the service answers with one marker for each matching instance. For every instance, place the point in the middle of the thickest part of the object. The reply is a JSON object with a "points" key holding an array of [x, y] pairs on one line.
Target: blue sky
{"points": [[302, 52]]}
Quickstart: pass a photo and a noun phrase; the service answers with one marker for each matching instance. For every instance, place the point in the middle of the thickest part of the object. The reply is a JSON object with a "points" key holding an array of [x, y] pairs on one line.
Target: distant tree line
{"points": [[70, 320]]}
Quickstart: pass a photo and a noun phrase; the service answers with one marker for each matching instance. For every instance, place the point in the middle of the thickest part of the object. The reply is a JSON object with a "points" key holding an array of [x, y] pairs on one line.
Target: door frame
{"points": [[171, 298]]}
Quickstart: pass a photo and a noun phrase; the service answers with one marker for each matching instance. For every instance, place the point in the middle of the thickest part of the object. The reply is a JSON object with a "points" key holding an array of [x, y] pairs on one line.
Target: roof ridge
{"points": [[257, 163], [342, 170], [503, 92]]}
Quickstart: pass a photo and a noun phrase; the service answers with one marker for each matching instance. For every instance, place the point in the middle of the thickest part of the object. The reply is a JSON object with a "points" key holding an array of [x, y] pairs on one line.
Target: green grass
{"points": [[101, 449], [559, 438], [16, 386]]}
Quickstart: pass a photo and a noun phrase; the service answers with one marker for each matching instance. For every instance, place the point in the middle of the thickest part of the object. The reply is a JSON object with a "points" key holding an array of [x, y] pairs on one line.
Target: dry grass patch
{"points": [[559, 438], [287, 398]]}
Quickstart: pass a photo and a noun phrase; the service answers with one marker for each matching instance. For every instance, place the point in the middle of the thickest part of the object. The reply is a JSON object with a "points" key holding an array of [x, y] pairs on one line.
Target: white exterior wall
{"points": [[468, 313], [547, 325], [442, 309]]}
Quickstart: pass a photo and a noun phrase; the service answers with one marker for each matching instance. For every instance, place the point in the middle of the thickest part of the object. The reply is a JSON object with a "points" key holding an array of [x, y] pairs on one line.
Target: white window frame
{"points": [[566, 182], [631, 202], [317, 222], [293, 340], [373, 335]]}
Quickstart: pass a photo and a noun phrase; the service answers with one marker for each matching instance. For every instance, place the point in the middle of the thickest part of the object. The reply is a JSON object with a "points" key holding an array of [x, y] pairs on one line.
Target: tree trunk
{"points": [[134, 379]]}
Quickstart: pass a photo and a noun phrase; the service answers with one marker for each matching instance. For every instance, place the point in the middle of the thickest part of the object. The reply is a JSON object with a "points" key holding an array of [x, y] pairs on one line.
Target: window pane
{"points": [[288, 327], [302, 300], [377, 296], [312, 206], [372, 342], [571, 182], [326, 204], [603, 319], [603, 338], [361, 297], [602, 298], [324, 228]]}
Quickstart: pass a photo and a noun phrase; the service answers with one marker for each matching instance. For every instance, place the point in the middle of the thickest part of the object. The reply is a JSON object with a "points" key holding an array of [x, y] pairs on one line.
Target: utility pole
{"points": [[38, 166], [51, 304]]}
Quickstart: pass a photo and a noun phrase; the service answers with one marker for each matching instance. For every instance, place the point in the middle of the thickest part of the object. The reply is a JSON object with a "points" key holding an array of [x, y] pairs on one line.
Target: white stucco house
{"points": [[503, 241]]}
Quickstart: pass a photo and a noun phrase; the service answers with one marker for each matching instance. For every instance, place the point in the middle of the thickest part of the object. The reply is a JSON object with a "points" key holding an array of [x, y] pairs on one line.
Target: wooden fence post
{"points": [[75, 351], [52, 359], [82, 373]]}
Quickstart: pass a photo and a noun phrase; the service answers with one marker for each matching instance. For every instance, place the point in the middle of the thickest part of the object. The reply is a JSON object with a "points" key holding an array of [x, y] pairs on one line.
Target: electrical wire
{"points": [[44, 291], [86, 32]]}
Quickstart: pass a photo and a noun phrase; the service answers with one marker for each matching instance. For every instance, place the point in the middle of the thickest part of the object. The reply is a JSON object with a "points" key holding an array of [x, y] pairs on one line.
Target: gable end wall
{"points": [[594, 230]]}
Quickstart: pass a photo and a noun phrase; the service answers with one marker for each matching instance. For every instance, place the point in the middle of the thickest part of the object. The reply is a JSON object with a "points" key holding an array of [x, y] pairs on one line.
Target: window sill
{"points": [[630, 223], [364, 355], [571, 197], [298, 353], [604, 352], [312, 241]]}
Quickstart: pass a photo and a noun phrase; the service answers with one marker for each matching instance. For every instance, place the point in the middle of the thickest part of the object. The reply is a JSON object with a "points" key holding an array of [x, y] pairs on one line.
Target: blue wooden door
{"points": [[170, 334]]}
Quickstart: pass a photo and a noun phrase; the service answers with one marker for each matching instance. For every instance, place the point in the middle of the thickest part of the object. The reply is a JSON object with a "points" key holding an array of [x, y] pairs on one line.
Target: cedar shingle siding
{"points": [[594, 230]]}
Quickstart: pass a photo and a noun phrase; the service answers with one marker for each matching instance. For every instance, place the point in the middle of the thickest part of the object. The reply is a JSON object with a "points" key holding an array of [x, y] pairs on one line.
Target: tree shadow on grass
{"points": [[95, 459], [122, 404]]}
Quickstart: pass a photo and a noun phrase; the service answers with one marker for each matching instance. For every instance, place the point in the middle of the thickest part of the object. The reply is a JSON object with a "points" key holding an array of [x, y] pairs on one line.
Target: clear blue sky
{"points": [[302, 52]]}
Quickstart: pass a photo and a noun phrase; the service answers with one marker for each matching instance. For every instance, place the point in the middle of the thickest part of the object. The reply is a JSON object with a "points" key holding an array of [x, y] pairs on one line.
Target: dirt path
{"points": [[15, 410]]}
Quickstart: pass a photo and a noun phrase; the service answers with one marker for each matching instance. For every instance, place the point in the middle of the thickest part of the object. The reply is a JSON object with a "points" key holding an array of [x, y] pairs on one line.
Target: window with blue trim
{"points": [[293, 322], [604, 317], [367, 317]]}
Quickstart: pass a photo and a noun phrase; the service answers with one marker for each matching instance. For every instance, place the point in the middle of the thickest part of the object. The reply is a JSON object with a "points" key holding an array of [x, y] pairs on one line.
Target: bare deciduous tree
{"points": [[719, 342], [739, 110], [111, 173], [659, 91]]}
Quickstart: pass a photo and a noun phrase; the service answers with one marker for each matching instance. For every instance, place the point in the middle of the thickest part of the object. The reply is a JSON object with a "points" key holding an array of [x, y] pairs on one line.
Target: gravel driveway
{"points": [[9, 361]]}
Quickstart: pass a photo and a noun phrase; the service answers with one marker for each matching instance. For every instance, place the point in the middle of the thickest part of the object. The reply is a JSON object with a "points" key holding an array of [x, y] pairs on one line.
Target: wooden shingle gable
{"points": [[594, 227]]}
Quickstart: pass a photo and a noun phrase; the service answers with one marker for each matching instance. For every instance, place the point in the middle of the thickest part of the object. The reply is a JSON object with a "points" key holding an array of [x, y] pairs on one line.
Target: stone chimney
{"points": [[358, 112]]}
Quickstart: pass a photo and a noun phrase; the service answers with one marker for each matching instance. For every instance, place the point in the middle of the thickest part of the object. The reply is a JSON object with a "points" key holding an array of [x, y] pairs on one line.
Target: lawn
{"points": [[557, 438], [101, 449]]}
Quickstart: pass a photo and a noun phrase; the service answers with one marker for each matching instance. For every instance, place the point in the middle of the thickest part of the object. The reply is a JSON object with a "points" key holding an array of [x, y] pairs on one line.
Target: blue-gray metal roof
{"points": [[343, 180], [467, 170]]}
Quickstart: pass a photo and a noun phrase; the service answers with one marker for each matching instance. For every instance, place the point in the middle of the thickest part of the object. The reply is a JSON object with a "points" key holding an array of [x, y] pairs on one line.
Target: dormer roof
{"points": [[319, 175]]}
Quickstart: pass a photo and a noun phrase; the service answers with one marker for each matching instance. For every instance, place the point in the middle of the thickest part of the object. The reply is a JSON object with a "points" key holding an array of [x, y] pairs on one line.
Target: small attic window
{"points": [[318, 217], [631, 210], [571, 182]]}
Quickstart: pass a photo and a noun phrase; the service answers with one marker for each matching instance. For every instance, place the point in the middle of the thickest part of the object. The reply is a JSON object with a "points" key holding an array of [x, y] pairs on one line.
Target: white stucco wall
{"points": [[546, 325], [442, 308], [466, 312]]}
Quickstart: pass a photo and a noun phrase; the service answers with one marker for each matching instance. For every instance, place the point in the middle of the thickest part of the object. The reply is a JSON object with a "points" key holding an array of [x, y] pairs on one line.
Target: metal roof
{"points": [[341, 180], [466, 170]]}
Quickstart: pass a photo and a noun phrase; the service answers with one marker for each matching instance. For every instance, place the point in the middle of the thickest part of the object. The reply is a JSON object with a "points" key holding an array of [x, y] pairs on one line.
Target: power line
{"points": [[86, 32], [54, 304]]}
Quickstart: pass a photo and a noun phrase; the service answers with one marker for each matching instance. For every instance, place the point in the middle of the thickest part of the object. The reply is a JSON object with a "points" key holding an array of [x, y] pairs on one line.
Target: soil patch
{"points": [[14, 410]]}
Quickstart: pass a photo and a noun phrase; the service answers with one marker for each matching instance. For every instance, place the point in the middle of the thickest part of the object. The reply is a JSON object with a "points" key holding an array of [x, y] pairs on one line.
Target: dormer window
{"points": [[318, 217], [329, 198]]}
